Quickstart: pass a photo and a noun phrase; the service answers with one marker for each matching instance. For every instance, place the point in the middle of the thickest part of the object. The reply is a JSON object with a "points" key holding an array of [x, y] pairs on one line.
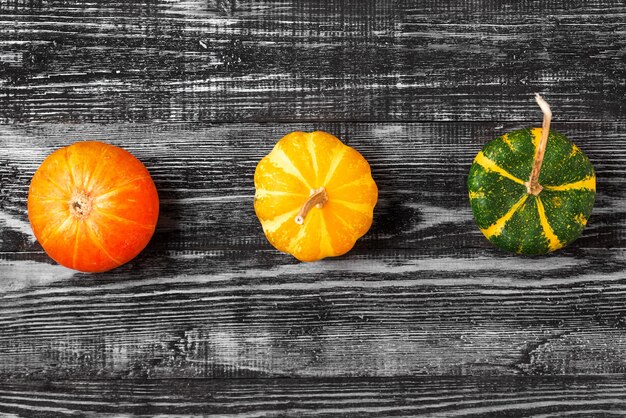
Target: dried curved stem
{"points": [[317, 198], [532, 185]]}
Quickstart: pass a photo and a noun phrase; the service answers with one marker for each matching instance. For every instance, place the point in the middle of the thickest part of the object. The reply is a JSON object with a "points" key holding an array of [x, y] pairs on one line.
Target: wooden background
{"points": [[423, 317]]}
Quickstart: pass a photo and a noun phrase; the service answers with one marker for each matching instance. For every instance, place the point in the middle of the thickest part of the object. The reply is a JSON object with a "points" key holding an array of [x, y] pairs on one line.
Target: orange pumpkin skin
{"points": [[300, 164], [92, 206]]}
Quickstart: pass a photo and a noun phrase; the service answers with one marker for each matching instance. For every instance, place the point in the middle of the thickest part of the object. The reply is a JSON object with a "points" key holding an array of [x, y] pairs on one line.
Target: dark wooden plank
{"points": [[423, 292], [269, 60], [428, 397], [204, 174]]}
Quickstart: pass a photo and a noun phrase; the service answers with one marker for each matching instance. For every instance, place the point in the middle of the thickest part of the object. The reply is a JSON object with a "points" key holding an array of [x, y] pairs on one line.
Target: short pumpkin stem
{"points": [[317, 198], [532, 185], [81, 205]]}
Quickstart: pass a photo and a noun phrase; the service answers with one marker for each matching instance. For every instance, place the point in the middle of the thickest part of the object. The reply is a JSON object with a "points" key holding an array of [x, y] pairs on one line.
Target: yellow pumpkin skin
{"points": [[285, 178]]}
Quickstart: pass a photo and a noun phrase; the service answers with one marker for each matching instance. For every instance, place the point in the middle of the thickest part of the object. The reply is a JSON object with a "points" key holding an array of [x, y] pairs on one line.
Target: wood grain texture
{"points": [[427, 397], [310, 60], [210, 319], [422, 293]]}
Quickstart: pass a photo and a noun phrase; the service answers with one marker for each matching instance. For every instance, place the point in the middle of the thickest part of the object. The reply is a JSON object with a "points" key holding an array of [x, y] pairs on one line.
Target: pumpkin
{"points": [[314, 195], [92, 206], [532, 190]]}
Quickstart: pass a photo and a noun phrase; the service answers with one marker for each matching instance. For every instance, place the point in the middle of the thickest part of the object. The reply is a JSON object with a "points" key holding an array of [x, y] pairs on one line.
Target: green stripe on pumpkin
{"points": [[568, 211], [554, 242], [492, 194], [523, 233], [563, 162], [509, 152]]}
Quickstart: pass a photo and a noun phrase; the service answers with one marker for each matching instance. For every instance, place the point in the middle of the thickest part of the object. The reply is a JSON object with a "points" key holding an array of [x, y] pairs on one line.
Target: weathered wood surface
{"points": [[428, 397], [418, 88], [229, 60], [423, 292]]}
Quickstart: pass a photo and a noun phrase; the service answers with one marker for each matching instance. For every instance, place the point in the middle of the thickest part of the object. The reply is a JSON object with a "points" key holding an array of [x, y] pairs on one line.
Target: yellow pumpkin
{"points": [[314, 195]]}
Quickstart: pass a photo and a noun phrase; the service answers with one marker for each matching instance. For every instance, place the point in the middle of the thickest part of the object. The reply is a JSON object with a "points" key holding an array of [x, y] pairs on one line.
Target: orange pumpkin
{"points": [[314, 195], [92, 206]]}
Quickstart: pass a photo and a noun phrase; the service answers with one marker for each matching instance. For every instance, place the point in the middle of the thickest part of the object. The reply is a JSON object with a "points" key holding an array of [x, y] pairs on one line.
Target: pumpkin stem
{"points": [[81, 205], [532, 185], [317, 198]]}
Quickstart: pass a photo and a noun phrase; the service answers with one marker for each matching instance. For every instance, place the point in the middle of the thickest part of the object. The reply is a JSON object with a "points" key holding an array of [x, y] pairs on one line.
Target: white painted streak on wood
{"points": [[18, 275], [16, 224], [496, 271]]}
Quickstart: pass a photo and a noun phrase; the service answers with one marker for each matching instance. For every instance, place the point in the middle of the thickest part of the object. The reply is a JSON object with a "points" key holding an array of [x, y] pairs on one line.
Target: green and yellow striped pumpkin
{"points": [[514, 219]]}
